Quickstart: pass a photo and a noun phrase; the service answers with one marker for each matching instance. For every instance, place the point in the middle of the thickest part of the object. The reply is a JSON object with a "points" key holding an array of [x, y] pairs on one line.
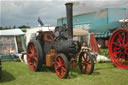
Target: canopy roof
{"points": [[11, 32], [80, 31], [45, 28]]}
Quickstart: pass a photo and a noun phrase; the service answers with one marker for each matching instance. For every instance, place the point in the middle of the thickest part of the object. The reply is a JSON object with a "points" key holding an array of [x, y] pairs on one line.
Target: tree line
{"points": [[14, 27]]}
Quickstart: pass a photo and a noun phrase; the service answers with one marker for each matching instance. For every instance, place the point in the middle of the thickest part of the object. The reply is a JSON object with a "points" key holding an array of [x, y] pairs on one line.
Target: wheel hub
{"points": [[122, 49]]}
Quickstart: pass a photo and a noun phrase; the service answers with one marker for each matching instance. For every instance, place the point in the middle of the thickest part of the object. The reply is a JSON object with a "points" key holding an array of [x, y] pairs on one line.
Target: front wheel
{"points": [[86, 63], [34, 55], [61, 66]]}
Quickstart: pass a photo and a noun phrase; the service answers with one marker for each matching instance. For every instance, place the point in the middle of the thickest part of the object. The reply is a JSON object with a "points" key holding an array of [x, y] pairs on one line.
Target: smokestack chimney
{"points": [[69, 19]]}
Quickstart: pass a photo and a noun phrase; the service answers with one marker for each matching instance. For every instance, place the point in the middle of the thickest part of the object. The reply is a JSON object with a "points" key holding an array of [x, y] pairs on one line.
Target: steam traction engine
{"points": [[118, 46], [58, 48]]}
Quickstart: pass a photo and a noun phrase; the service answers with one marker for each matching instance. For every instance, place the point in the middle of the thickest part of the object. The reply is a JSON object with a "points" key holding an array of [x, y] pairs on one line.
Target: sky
{"points": [[26, 12]]}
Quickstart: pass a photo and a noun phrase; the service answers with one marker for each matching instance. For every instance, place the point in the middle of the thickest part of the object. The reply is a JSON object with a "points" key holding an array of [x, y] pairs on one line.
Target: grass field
{"points": [[17, 73], [104, 52]]}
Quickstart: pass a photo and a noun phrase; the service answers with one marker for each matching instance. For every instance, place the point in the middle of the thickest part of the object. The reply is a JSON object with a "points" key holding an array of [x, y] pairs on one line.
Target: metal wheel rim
{"points": [[118, 48], [32, 56], [85, 63], [60, 67]]}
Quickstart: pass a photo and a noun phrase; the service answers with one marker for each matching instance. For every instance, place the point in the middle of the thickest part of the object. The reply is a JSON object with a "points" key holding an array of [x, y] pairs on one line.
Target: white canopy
{"points": [[13, 32], [42, 28], [80, 31], [32, 31], [123, 20]]}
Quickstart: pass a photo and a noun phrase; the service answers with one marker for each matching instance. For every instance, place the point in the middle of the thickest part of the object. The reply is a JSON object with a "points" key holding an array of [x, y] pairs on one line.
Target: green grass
{"points": [[104, 51], [17, 73]]}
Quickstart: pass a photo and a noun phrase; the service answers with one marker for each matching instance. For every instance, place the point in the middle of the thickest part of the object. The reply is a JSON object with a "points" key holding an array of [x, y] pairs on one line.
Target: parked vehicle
{"points": [[59, 50], [118, 46]]}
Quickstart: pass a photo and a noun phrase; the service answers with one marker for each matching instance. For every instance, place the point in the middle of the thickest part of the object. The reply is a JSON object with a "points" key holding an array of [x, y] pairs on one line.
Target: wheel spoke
{"points": [[28, 59], [124, 59], [62, 72], [59, 60], [30, 55], [88, 68], [35, 58], [119, 41], [56, 67], [124, 40], [89, 64], [57, 63], [115, 53], [34, 52], [57, 72], [121, 59], [116, 49], [63, 69], [120, 37], [118, 57], [88, 61], [116, 44], [62, 65], [84, 57]]}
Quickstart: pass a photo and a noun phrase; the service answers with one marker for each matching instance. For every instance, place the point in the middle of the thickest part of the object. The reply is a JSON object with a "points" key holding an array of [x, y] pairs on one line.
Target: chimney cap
{"points": [[69, 3]]}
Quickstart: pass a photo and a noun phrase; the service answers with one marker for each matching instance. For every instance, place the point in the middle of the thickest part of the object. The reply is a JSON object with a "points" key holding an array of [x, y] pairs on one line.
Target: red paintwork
{"points": [[85, 64], [106, 43], [118, 48], [93, 43], [49, 32], [32, 56], [60, 67]]}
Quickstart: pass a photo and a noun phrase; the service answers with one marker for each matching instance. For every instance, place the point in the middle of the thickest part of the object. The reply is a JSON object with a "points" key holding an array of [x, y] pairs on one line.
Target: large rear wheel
{"points": [[118, 48], [86, 63], [61, 66], [34, 55]]}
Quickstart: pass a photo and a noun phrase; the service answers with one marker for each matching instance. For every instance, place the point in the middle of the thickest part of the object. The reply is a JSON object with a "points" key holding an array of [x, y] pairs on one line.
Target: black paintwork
{"points": [[63, 42]]}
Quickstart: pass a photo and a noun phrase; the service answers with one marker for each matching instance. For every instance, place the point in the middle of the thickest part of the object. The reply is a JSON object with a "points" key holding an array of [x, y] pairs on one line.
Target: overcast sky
{"points": [[26, 12]]}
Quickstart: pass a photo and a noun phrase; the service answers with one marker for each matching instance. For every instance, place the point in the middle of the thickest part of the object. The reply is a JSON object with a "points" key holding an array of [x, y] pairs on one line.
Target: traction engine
{"points": [[59, 50], [118, 46]]}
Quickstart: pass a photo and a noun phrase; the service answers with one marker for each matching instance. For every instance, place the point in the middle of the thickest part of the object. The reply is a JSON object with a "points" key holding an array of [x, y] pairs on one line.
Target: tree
{"points": [[23, 26], [14, 27], [1, 28]]}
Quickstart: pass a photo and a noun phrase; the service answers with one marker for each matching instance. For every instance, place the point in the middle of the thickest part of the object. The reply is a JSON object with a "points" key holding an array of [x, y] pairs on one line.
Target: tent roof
{"points": [[11, 32], [80, 31], [42, 28]]}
